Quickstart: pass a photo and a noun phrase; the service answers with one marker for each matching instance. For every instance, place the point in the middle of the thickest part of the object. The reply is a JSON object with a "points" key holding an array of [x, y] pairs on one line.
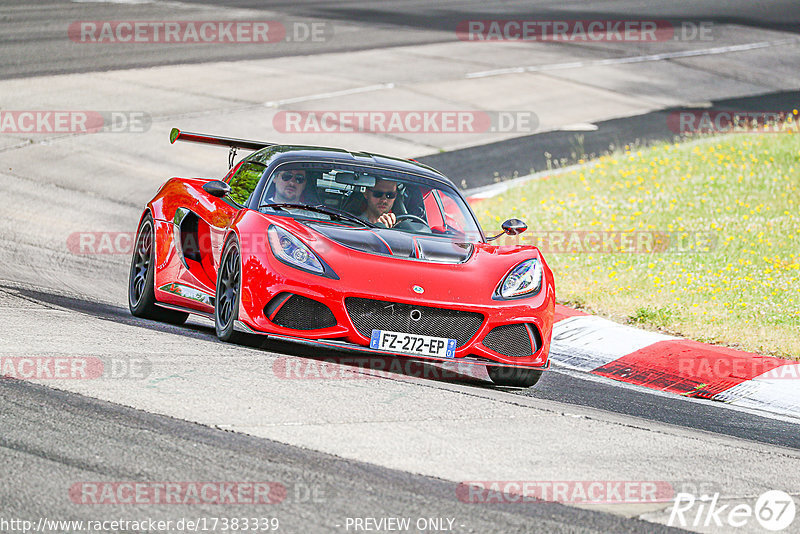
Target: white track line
{"points": [[633, 59], [786, 417], [332, 94]]}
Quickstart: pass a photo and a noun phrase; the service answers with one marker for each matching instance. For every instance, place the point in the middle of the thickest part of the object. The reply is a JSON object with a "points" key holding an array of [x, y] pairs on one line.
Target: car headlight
{"points": [[524, 280], [292, 251]]}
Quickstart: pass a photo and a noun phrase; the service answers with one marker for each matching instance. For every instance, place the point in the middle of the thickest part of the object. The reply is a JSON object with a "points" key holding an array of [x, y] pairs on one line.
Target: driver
{"points": [[289, 187], [380, 200]]}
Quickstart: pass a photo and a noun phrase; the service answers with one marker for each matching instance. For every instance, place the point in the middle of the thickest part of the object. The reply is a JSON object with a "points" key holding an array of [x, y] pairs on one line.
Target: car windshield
{"points": [[356, 196]]}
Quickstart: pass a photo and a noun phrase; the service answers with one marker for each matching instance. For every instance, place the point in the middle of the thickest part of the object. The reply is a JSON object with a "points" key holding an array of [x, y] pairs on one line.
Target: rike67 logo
{"points": [[774, 511]]}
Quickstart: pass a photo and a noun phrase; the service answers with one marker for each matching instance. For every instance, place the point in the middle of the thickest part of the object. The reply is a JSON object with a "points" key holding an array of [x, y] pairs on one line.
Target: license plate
{"points": [[441, 347]]}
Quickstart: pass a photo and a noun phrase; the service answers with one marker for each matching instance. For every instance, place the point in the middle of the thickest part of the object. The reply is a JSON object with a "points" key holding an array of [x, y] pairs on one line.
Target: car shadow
{"points": [[295, 361], [324, 363]]}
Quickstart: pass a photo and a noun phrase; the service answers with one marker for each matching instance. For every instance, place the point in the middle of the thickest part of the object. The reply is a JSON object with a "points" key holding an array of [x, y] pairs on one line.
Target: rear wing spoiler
{"points": [[177, 135], [233, 143]]}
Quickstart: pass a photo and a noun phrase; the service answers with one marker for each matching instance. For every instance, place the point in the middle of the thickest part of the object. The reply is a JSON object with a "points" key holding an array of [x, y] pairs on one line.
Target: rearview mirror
{"points": [[217, 188], [351, 178]]}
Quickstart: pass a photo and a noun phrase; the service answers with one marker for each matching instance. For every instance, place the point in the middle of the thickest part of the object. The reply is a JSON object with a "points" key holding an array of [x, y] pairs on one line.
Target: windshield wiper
{"points": [[334, 213]]}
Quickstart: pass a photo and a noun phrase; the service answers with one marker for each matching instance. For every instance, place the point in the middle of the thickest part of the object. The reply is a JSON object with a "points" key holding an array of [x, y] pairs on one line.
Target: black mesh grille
{"points": [[510, 340], [369, 315], [301, 313]]}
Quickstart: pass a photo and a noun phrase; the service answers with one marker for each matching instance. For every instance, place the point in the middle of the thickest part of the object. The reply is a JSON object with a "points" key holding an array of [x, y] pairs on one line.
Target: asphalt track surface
{"points": [[33, 43], [558, 385], [51, 438]]}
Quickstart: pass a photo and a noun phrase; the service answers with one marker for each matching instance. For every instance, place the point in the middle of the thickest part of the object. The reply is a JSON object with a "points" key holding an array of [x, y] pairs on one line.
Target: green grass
{"points": [[728, 207]]}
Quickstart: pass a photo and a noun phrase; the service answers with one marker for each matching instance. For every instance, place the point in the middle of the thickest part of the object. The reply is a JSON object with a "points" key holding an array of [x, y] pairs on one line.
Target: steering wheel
{"points": [[409, 217]]}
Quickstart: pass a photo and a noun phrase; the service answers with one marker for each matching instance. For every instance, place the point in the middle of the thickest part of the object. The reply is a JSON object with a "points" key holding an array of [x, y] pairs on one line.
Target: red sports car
{"points": [[344, 250]]}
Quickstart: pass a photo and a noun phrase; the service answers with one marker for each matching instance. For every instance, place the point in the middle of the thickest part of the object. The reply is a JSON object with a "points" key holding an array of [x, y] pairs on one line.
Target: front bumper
{"points": [[344, 346], [343, 332]]}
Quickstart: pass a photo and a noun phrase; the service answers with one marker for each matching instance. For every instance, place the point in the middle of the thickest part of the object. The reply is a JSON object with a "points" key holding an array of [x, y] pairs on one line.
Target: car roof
{"points": [[284, 153]]}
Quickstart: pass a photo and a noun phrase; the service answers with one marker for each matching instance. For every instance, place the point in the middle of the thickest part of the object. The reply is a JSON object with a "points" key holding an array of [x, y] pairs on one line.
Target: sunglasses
{"points": [[299, 178], [387, 194]]}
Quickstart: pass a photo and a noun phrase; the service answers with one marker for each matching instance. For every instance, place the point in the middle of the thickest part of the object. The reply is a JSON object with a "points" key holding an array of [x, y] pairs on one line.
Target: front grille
{"points": [[369, 315], [300, 313], [512, 340]]}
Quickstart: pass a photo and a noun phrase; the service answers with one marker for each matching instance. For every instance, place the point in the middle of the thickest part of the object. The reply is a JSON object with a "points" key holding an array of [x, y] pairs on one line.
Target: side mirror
{"points": [[510, 227], [217, 188], [514, 227]]}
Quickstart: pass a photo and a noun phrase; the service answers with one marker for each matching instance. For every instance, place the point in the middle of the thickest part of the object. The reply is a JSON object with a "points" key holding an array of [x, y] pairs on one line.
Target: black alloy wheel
{"points": [[229, 285], [141, 292]]}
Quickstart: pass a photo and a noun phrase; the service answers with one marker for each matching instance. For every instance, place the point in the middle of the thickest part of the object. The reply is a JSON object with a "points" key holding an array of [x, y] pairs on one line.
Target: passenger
{"points": [[380, 200]]}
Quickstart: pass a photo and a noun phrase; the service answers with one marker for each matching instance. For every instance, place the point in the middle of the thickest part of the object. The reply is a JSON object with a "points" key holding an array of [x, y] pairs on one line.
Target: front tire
{"points": [[141, 292], [229, 293], [514, 376]]}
